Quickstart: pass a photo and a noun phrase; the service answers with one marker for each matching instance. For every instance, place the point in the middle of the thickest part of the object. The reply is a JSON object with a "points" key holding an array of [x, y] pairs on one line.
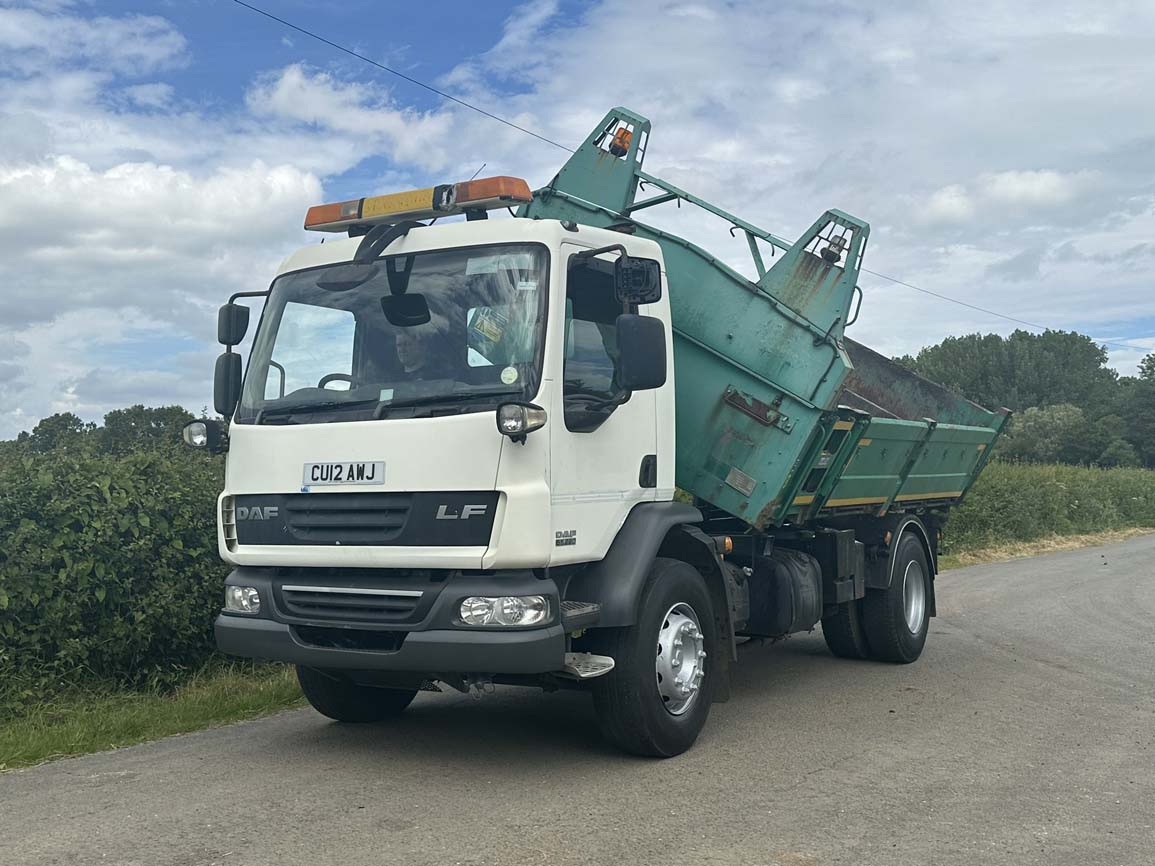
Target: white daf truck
{"points": [[454, 453]]}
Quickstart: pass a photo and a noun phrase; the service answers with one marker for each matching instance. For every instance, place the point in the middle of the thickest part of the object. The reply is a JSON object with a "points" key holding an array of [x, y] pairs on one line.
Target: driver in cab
{"points": [[417, 352]]}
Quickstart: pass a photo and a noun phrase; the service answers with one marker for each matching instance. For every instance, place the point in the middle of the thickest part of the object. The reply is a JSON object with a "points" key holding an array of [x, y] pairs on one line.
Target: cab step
{"points": [[585, 666], [579, 614]]}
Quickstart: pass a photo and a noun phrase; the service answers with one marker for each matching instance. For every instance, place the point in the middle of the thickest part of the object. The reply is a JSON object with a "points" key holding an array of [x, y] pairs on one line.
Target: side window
{"points": [[590, 389], [312, 343]]}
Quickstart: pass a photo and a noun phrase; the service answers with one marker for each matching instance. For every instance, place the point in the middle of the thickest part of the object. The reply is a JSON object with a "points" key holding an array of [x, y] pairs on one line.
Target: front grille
{"points": [[348, 604], [346, 518], [350, 638]]}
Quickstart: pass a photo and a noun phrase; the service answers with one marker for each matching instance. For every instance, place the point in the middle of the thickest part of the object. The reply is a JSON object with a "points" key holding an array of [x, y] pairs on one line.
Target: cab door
{"points": [[603, 448]]}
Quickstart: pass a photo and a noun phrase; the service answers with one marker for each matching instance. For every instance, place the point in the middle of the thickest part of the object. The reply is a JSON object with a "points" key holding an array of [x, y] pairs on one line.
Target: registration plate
{"points": [[345, 472]]}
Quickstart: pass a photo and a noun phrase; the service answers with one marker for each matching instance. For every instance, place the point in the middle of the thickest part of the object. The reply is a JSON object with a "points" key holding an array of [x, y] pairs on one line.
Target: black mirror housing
{"points": [[232, 323], [641, 352], [405, 311], [637, 281], [227, 384]]}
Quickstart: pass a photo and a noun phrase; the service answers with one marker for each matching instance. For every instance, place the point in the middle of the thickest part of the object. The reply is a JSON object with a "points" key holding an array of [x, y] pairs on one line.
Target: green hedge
{"points": [[1025, 502], [108, 569]]}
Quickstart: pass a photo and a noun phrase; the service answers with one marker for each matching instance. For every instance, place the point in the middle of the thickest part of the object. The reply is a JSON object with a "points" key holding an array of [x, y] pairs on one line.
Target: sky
{"points": [[157, 157]]}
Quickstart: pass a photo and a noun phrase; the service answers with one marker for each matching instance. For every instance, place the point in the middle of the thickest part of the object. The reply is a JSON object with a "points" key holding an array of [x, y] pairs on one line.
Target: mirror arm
{"points": [[233, 297], [379, 237]]}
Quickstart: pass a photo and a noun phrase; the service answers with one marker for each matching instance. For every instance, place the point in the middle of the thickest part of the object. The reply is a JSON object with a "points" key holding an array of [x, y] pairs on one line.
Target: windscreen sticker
{"points": [[509, 375], [527, 285], [489, 323]]}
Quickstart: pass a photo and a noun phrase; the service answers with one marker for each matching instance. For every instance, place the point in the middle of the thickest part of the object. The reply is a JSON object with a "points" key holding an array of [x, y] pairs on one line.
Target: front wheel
{"points": [[343, 700], [657, 698], [896, 618]]}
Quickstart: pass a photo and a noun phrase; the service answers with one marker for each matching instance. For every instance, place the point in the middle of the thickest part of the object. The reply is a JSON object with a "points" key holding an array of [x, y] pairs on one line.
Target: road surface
{"points": [[1024, 735]]}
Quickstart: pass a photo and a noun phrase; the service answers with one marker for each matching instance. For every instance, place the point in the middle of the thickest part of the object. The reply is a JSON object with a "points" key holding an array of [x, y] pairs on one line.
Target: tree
{"points": [[140, 428], [1118, 453], [1022, 370], [1147, 368], [1048, 434], [62, 430]]}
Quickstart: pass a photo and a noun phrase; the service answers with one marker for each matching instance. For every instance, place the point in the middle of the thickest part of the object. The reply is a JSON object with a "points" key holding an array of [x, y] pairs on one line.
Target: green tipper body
{"points": [[779, 417]]}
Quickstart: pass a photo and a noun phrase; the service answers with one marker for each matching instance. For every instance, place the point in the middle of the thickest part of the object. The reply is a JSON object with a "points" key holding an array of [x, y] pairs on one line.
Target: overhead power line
{"points": [[539, 137], [401, 75], [985, 310]]}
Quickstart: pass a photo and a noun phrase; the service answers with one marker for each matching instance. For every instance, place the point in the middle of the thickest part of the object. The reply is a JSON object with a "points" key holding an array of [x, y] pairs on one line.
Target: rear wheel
{"points": [[896, 618], [341, 699], [657, 698], [844, 632]]}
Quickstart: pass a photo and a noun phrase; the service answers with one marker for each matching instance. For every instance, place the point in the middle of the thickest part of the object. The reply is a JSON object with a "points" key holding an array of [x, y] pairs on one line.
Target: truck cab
{"points": [[430, 446]]}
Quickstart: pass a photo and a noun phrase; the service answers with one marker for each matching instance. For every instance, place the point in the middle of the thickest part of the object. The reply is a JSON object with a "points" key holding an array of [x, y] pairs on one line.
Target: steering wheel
{"points": [[335, 377]]}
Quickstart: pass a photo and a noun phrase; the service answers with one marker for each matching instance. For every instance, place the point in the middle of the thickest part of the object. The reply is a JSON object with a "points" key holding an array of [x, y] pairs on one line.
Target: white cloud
{"points": [[155, 95], [1007, 165], [316, 98], [951, 204], [33, 39], [1036, 188]]}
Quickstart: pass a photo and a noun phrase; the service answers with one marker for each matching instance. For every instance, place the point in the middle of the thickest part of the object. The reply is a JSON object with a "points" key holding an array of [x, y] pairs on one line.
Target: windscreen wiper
{"points": [[304, 407], [430, 399]]}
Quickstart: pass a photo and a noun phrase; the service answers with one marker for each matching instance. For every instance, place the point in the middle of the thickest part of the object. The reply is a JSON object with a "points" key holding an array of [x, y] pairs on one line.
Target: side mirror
{"points": [[641, 352], [232, 323], [637, 281], [405, 311], [227, 384]]}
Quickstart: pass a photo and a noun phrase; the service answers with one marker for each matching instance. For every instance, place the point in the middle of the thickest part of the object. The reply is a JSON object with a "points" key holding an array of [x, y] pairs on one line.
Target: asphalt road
{"points": [[1025, 734]]}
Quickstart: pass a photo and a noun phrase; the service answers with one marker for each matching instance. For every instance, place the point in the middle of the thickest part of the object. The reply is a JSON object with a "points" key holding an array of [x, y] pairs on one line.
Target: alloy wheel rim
{"points": [[914, 596], [680, 665]]}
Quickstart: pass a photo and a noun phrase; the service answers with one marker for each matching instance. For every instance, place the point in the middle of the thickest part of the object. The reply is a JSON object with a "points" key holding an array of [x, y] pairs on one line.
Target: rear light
{"points": [[435, 201]]}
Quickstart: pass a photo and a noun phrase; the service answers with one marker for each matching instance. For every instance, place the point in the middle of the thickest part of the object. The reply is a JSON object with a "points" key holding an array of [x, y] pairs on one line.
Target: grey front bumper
{"points": [[437, 651]]}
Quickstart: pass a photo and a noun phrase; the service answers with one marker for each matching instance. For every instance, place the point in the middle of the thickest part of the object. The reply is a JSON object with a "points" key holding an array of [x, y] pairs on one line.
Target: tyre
{"points": [[895, 618], [340, 699], [656, 699], [844, 632]]}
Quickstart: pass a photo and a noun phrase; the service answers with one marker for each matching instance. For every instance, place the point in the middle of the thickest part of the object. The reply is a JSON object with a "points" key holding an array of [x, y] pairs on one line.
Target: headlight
{"points": [[510, 610], [242, 599]]}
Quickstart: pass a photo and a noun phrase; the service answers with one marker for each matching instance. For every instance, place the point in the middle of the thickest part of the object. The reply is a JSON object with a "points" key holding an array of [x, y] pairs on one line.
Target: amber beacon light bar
{"points": [[435, 201]]}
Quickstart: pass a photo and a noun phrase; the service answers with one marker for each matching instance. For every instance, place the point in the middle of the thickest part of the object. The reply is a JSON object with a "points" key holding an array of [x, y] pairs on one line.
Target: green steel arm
{"points": [[749, 228]]}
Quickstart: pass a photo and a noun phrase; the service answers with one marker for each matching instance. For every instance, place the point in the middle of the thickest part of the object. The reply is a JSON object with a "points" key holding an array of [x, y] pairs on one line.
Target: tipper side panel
{"points": [[756, 364]]}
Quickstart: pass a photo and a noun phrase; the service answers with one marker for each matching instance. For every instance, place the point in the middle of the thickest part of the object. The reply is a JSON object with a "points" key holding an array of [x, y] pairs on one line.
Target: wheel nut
{"points": [[675, 663]]}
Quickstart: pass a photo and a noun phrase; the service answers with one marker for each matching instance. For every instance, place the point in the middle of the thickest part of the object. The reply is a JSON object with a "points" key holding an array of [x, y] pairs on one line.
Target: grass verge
{"points": [[92, 721], [1052, 544]]}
